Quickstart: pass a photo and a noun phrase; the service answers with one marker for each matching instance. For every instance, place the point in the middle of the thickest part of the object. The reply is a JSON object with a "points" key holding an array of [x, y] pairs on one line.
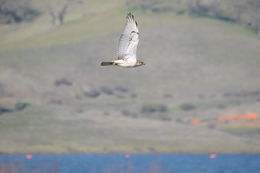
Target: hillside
{"points": [[54, 96]]}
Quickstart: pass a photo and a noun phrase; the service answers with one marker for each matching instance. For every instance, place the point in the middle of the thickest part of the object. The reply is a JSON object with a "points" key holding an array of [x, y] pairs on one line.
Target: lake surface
{"points": [[132, 163]]}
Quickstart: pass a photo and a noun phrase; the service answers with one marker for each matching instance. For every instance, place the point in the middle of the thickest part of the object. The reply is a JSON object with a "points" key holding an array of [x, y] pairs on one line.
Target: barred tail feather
{"points": [[107, 63]]}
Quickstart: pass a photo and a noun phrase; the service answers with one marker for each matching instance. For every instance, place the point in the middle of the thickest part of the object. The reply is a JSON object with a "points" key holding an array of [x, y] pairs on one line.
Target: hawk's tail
{"points": [[107, 63]]}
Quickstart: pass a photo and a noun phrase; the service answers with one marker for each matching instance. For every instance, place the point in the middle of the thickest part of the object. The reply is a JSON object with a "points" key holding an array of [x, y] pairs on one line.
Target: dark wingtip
{"points": [[130, 16]]}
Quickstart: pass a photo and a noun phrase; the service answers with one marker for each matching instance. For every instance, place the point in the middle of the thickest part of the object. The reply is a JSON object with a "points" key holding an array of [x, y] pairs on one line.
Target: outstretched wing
{"points": [[129, 39]]}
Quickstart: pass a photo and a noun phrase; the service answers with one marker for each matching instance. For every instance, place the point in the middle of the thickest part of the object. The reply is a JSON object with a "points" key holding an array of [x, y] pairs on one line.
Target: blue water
{"points": [[135, 163]]}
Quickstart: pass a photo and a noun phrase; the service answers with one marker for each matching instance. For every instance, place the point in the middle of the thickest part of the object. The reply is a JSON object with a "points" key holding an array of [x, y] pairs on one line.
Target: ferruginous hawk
{"points": [[127, 45]]}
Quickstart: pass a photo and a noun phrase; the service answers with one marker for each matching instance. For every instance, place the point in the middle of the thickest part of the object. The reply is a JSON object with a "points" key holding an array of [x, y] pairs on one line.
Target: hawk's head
{"points": [[139, 63]]}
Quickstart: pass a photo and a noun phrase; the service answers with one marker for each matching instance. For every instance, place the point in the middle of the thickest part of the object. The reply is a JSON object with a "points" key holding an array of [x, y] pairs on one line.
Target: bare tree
{"points": [[58, 13], [62, 13]]}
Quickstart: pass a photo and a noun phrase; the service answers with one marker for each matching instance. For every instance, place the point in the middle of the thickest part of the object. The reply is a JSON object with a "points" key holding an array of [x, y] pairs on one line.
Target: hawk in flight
{"points": [[127, 45]]}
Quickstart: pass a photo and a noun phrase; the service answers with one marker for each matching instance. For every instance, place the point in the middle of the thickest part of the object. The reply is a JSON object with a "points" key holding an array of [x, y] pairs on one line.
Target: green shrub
{"points": [[154, 108], [187, 106]]}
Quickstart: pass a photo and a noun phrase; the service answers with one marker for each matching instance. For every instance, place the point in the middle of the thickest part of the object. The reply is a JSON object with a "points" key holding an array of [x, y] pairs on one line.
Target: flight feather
{"points": [[129, 39]]}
